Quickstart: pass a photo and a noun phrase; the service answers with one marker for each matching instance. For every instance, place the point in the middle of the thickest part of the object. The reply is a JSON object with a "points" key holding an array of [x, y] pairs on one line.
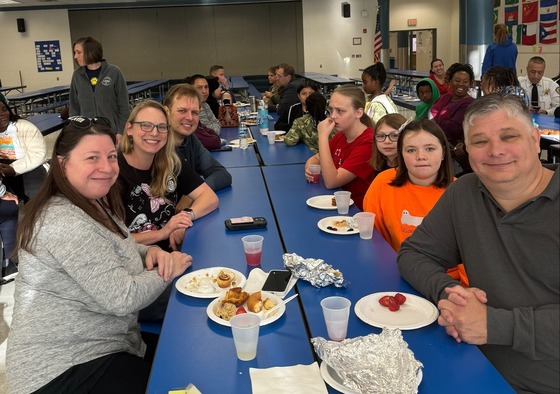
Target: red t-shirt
{"points": [[354, 157], [442, 87]]}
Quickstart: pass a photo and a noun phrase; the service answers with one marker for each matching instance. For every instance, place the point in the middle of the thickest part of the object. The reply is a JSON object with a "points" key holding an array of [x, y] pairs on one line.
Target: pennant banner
{"points": [[547, 32]]}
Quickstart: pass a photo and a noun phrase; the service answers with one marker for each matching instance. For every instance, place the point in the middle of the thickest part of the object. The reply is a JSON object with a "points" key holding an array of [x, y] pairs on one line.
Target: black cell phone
{"points": [[277, 281], [222, 149], [245, 223]]}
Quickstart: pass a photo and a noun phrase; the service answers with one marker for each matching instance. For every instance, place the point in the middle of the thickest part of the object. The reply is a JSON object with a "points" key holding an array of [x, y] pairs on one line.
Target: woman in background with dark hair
{"points": [[297, 110], [438, 75], [97, 87], [22, 149], [379, 104], [449, 110], [304, 128], [503, 80], [83, 277]]}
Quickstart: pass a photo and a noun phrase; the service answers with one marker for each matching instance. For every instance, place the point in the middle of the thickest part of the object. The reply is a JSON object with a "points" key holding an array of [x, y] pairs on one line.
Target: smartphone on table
{"points": [[245, 223], [277, 282]]}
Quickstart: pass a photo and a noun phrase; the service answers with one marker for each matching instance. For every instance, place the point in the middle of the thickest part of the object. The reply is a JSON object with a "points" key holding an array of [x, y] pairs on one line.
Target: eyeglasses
{"points": [[82, 122], [147, 127], [382, 137]]}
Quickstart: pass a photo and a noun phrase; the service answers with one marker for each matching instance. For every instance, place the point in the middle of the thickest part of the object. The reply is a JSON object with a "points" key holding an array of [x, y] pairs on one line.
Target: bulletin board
{"points": [[48, 56]]}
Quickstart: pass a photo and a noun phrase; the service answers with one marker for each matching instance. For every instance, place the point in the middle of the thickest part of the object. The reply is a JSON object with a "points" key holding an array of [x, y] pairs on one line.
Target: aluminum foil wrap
{"points": [[315, 271], [373, 364]]}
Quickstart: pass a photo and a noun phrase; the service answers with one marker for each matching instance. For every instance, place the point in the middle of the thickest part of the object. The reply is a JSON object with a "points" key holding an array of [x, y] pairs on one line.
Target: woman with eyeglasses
{"points": [[384, 154], [344, 158], [82, 277], [155, 184]]}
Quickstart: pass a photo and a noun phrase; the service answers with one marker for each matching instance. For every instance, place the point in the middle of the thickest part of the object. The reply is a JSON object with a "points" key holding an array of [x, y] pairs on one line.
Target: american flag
{"points": [[377, 43]]}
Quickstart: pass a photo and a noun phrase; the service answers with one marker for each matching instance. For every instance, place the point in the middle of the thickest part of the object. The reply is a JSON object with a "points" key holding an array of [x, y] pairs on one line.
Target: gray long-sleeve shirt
{"points": [[514, 257], [76, 297]]}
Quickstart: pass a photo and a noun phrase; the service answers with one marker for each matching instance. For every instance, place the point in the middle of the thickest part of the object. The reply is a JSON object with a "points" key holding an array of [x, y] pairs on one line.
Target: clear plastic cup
{"points": [[252, 245], [342, 201], [271, 135], [245, 330], [365, 221], [315, 170], [336, 311]]}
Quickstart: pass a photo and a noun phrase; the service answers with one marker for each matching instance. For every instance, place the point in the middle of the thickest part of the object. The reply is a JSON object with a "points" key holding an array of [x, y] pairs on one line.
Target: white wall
{"points": [[18, 49], [328, 37]]}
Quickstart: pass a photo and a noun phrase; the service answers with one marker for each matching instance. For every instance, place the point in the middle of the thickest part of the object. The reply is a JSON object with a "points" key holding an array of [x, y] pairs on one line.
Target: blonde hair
{"points": [[358, 98], [500, 33], [166, 164]]}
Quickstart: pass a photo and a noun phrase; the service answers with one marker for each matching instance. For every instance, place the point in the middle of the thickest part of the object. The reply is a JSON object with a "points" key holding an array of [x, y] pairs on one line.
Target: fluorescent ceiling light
{"points": [[9, 2]]}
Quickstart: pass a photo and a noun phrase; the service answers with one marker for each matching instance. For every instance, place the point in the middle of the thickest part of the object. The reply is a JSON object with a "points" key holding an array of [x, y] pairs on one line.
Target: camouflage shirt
{"points": [[303, 129]]}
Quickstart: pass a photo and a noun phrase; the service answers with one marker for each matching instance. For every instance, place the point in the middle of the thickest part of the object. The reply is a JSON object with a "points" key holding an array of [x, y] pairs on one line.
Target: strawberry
{"points": [[240, 310], [401, 299], [385, 300], [393, 304]]}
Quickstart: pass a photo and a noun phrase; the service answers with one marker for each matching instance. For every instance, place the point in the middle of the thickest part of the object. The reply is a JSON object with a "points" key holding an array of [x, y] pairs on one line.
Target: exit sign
{"points": [[412, 22]]}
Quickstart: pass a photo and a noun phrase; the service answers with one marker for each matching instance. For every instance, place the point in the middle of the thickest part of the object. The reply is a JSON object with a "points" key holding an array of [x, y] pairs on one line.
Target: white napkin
{"points": [[256, 280], [304, 379]]}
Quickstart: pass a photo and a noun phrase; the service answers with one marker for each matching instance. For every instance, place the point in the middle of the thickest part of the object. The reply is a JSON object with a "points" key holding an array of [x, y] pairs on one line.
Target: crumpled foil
{"points": [[315, 271], [374, 363]]}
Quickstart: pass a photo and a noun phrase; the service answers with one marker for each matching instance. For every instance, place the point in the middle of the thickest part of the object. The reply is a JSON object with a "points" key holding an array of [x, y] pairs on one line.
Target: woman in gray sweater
{"points": [[82, 277]]}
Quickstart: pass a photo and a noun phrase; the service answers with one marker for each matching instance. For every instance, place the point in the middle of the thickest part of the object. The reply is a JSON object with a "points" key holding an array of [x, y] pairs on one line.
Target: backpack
{"points": [[227, 115]]}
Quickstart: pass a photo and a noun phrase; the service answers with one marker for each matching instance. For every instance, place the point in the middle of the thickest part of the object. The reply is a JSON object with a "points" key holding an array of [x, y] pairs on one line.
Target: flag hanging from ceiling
{"points": [[377, 42], [510, 2], [530, 12], [529, 36], [510, 16], [549, 9], [547, 32]]}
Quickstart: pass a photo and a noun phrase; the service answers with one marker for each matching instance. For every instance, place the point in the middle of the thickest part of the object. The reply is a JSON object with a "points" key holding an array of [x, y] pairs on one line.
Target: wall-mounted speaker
{"points": [[21, 25], [346, 10]]}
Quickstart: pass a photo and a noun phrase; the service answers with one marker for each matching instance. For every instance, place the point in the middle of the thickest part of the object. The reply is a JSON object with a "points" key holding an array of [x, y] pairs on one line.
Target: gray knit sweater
{"points": [[76, 297]]}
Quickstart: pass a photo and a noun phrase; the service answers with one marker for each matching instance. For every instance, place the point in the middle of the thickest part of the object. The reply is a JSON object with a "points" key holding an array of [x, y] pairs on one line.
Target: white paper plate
{"points": [[189, 284], [416, 312], [240, 104], [323, 202], [211, 310], [236, 142], [330, 376], [326, 225], [277, 132]]}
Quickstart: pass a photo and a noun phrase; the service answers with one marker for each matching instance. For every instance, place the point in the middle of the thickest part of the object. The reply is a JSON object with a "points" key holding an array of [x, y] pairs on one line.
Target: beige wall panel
{"points": [[116, 40], [230, 38], [285, 35], [172, 37], [144, 63], [201, 41]]}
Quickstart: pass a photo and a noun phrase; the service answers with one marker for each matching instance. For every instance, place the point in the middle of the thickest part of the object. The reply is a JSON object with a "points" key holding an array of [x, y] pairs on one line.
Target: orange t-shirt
{"points": [[399, 210]]}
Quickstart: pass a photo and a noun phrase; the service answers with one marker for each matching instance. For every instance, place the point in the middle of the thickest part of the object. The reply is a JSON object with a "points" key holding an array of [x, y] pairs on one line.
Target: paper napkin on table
{"points": [[296, 379]]}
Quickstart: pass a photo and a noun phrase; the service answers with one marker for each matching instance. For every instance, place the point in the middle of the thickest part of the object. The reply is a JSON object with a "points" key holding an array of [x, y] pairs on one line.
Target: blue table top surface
{"points": [[370, 267], [194, 349]]}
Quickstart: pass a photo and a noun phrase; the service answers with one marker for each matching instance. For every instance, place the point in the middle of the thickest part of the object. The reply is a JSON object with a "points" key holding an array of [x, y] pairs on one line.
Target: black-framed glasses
{"points": [[147, 127], [382, 137], [83, 122]]}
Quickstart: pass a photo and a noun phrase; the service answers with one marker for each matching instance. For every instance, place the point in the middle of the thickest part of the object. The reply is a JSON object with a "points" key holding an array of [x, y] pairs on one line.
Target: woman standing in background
{"points": [[502, 52], [98, 89]]}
